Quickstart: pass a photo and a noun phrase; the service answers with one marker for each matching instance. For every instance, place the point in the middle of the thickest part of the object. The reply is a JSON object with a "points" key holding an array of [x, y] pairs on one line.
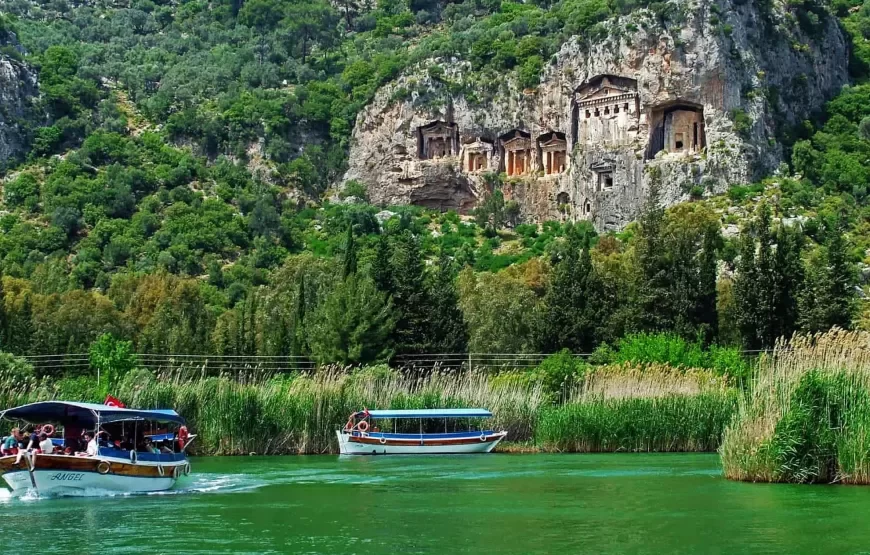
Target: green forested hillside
{"points": [[175, 195]]}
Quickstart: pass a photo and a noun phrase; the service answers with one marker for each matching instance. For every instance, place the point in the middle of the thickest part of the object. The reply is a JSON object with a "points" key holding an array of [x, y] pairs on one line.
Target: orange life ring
{"points": [[48, 429], [363, 426]]}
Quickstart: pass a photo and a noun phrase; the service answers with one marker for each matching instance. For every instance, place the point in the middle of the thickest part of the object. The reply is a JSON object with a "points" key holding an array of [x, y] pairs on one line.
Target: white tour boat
{"points": [[359, 437], [127, 464]]}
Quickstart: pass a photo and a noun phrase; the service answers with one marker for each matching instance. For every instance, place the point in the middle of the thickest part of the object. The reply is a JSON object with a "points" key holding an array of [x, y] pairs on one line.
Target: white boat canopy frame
{"points": [[424, 413]]}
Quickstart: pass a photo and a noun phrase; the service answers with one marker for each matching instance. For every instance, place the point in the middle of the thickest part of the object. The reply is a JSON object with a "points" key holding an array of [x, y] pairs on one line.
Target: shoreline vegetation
{"points": [[806, 418], [799, 414], [641, 396]]}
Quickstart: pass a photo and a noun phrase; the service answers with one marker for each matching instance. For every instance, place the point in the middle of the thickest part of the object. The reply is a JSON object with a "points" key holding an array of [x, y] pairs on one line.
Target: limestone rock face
{"points": [[691, 108], [18, 89]]}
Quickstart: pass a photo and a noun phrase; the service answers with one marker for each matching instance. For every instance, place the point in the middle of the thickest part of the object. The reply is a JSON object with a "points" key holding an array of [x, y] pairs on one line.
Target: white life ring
{"points": [[176, 471], [363, 426], [482, 436], [383, 440], [103, 467], [133, 456], [187, 469], [160, 470]]}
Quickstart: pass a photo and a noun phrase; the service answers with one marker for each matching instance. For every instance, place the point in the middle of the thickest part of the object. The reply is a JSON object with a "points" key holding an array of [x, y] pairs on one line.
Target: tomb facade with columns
{"points": [[610, 119]]}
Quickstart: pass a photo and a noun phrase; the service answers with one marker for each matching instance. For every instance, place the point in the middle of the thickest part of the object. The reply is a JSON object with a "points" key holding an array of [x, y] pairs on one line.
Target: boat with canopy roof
{"points": [[362, 436], [132, 450]]}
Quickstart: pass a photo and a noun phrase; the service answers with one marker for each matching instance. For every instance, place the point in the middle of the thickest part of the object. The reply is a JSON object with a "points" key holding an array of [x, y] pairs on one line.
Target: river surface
{"points": [[470, 504]]}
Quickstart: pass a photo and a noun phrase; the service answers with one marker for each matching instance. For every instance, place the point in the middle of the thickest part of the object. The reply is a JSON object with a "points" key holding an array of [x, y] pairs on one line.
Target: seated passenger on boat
{"points": [[46, 446], [10, 444], [92, 448]]}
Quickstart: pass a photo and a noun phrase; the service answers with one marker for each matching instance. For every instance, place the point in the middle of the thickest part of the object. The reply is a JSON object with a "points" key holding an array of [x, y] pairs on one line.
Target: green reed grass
{"points": [[298, 413], [807, 416], [611, 408], [640, 408]]}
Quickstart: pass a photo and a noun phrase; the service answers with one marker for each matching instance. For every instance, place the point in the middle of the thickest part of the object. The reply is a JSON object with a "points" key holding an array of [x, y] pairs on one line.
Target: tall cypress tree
{"points": [[448, 332], [299, 334], [20, 328], [827, 299], [572, 309], [654, 269], [706, 309], [769, 278], [3, 320], [350, 256], [789, 279], [410, 298], [381, 270]]}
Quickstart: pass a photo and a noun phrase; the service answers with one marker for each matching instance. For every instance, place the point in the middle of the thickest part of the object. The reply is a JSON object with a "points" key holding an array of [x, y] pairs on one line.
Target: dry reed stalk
{"points": [[631, 381]]}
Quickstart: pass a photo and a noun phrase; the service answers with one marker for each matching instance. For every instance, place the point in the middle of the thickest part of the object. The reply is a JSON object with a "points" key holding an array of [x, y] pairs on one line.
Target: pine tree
{"points": [[353, 324], [447, 328]]}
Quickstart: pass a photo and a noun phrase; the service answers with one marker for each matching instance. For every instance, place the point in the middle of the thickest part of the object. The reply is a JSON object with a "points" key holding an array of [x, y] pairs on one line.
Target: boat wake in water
{"points": [[202, 484]]}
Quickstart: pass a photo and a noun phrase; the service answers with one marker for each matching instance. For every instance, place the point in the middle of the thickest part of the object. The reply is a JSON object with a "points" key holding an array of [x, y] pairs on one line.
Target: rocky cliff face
{"points": [[684, 109], [18, 89]]}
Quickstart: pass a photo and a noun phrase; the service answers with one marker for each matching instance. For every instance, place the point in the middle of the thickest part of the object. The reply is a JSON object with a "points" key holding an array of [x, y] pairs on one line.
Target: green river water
{"points": [[669, 503]]}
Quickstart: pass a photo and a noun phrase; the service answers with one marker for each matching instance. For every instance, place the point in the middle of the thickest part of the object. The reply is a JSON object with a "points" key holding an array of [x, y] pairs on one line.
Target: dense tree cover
{"points": [[209, 246]]}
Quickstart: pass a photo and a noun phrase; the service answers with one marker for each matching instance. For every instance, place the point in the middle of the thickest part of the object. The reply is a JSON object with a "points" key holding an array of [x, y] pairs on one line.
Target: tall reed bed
{"points": [[640, 408], [300, 413], [807, 416]]}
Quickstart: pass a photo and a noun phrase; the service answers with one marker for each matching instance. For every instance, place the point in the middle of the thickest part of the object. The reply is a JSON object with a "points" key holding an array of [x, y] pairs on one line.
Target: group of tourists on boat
{"points": [[62, 445], [40, 441]]}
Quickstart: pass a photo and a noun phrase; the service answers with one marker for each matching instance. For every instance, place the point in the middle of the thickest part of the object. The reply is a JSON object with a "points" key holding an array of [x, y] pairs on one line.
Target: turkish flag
{"points": [[113, 402]]}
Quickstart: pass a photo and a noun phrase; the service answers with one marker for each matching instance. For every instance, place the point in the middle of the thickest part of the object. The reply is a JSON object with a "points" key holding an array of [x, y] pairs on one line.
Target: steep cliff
{"points": [[687, 106], [18, 89]]}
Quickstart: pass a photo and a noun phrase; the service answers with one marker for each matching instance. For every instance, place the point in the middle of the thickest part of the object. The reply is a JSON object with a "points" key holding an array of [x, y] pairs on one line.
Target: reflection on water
{"points": [[469, 504]]}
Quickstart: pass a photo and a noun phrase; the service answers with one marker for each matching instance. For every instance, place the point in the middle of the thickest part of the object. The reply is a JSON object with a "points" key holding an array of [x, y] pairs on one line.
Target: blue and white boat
{"points": [[361, 435]]}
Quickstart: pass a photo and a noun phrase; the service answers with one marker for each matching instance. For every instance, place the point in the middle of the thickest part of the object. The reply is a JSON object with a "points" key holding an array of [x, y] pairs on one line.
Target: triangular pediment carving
{"points": [[603, 165], [554, 143], [604, 92]]}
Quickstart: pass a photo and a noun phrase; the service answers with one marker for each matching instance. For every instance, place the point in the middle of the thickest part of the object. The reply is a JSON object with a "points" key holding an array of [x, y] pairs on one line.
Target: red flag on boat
{"points": [[113, 402]]}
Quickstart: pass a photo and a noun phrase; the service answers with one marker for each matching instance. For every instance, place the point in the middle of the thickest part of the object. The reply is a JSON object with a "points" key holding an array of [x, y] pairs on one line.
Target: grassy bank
{"points": [[807, 416]]}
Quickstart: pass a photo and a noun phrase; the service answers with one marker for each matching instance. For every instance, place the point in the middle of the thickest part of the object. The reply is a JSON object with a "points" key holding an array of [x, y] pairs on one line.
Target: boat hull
{"points": [[52, 482], [61, 473], [389, 444]]}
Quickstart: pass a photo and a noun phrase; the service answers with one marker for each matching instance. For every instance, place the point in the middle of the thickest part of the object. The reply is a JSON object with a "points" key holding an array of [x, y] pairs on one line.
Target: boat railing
{"points": [[449, 435], [142, 456]]}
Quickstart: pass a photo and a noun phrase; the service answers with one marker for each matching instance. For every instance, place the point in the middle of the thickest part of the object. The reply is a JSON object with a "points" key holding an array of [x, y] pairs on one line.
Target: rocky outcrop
{"points": [[18, 90], [690, 108]]}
